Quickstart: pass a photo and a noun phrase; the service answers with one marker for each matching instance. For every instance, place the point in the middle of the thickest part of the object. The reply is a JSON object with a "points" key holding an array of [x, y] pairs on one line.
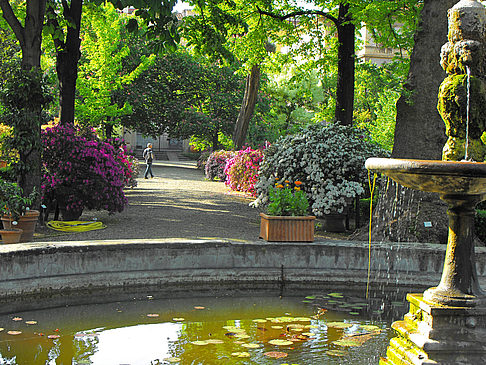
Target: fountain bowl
{"points": [[443, 177]]}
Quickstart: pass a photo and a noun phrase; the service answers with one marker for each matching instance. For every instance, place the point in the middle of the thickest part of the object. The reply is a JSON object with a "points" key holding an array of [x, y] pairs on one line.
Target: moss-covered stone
{"points": [[452, 107]]}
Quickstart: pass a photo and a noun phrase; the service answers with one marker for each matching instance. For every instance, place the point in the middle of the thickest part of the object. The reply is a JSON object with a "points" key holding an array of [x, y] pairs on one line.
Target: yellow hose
{"points": [[75, 226]]}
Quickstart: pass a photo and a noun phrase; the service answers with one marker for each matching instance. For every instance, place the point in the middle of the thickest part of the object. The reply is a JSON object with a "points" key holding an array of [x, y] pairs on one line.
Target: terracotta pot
{"points": [[334, 222], [11, 235], [27, 223], [287, 229], [3, 164]]}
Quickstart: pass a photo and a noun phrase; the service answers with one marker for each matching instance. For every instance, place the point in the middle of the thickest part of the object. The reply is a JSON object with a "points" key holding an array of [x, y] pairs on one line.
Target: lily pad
{"points": [[17, 319], [276, 354], [370, 327], [200, 343], [311, 297], [173, 360], [302, 319], [277, 327], [14, 333], [251, 345], [242, 336], [153, 315], [280, 342], [339, 325], [178, 319], [346, 343], [240, 354], [259, 320], [31, 322], [336, 295]]}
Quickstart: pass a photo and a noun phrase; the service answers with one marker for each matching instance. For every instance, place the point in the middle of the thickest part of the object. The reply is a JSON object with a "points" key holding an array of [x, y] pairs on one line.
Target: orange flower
{"points": [[297, 188], [280, 186], [298, 183], [287, 182]]}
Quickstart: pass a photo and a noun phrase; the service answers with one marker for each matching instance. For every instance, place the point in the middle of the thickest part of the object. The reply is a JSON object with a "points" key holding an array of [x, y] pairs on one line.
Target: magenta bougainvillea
{"points": [[81, 171], [216, 163], [243, 169]]}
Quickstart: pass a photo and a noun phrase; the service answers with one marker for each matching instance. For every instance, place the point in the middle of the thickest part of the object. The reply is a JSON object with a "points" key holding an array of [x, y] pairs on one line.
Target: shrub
{"points": [[327, 159], [480, 224], [243, 169], [128, 162], [214, 167], [80, 171]]}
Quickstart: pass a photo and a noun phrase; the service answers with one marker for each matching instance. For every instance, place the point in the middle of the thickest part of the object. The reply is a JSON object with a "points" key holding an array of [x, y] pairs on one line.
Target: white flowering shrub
{"points": [[329, 161]]}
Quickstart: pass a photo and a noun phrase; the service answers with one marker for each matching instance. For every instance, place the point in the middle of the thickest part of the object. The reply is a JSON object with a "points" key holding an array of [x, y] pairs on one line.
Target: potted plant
{"points": [[287, 218], [329, 160], [15, 212]]}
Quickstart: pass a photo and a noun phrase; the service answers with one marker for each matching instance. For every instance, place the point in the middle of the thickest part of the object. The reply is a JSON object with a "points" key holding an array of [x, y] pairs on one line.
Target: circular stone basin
{"points": [[443, 177]]}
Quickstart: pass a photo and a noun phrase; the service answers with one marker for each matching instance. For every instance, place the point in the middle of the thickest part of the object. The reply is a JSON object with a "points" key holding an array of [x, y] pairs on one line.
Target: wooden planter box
{"points": [[287, 229]]}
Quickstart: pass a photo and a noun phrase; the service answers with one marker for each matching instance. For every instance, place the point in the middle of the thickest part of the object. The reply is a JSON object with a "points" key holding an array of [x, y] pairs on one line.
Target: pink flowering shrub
{"points": [[216, 163], [127, 161], [242, 170], [80, 171]]}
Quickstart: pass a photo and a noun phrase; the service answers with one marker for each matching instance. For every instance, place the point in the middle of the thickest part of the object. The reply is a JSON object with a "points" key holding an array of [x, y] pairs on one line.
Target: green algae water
{"points": [[150, 330]]}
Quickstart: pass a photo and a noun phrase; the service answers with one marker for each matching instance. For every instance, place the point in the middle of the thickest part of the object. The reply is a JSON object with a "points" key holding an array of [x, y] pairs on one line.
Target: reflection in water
{"points": [[150, 331]]}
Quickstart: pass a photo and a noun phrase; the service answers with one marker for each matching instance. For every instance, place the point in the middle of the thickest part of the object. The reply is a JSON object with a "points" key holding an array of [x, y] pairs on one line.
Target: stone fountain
{"points": [[447, 324]]}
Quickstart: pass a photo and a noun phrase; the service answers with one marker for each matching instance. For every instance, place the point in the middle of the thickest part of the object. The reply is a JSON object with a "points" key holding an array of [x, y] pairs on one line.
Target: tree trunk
{"points": [[402, 214], [419, 130], [30, 39], [247, 107], [346, 66], [67, 63]]}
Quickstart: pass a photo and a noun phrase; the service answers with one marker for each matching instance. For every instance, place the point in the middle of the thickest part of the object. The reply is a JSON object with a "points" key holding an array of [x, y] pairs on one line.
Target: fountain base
{"points": [[438, 334]]}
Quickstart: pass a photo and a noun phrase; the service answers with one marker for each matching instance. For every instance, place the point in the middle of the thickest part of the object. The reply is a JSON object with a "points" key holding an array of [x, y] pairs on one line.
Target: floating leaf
{"points": [[17, 319], [277, 327], [370, 327], [336, 353], [238, 342], [173, 360], [311, 297], [199, 343], [338, 325], [53, 337], [251, 345], [153, 315], [259, 320], [242, 336], [295, 326], [14, 333], [306, 301], [346, 343], [280, 342], [31, 322], [336, 295], [302, 319], [214, 341], [178, 319], [240, 354], [311, 326], [354, 313], [276, 354], [199, 307]]}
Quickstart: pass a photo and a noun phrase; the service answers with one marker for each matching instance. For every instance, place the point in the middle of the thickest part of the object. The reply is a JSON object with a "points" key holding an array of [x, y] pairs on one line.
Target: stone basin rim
{"points": [[427, 167]]}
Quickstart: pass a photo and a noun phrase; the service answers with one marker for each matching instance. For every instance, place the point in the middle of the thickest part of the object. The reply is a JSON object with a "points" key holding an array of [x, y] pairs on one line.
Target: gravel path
{"points": [[177, 203]]}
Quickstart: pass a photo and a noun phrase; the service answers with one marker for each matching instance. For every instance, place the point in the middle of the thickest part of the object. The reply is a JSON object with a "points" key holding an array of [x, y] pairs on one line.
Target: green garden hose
{"points": [[75, 226]]}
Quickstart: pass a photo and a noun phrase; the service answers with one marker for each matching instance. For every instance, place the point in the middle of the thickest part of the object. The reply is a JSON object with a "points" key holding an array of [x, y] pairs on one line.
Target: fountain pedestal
{"points": [[436, 334], [447, 324]]}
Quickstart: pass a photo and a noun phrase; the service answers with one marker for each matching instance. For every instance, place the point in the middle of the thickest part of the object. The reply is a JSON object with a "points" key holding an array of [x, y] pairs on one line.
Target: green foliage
{"points": [[327, 159], [100, 70], [480, 224], [284, 201], [12, 201], [22, 96], [185, 97]]}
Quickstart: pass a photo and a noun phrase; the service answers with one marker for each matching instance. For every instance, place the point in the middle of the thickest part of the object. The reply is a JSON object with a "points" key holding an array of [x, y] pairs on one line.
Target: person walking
{"points": [[148, 155]]}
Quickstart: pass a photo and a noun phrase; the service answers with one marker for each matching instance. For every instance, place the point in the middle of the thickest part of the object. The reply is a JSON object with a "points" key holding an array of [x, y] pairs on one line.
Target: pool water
{"points": [[149, 330]]}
